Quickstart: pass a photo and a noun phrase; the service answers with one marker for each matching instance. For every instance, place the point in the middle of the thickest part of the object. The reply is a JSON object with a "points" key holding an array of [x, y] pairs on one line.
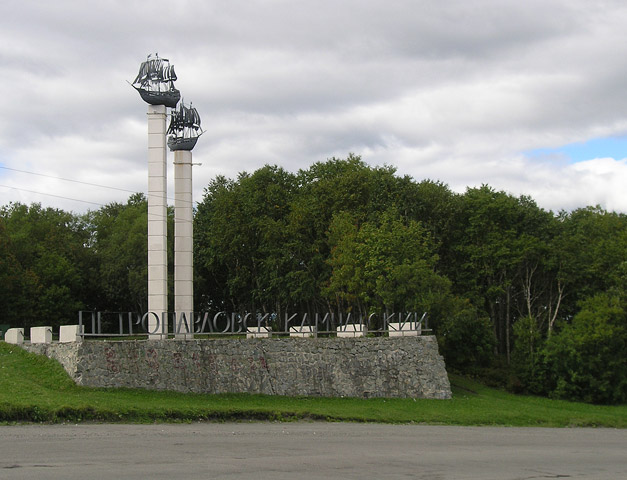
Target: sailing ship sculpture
{"points": [[184, 128], [155, 82]]}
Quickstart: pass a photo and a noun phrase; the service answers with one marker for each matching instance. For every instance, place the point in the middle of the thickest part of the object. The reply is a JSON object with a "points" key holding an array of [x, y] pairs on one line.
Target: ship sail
{"points": [[155, 82], [184, 128]]}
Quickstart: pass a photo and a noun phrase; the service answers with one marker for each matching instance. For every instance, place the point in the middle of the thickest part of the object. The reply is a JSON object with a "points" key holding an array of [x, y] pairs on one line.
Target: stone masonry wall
{"points": [[332, 367]]}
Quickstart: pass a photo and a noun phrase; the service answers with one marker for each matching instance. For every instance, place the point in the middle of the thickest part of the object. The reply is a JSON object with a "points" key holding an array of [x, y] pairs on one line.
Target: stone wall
{"points": [[333, 367]]}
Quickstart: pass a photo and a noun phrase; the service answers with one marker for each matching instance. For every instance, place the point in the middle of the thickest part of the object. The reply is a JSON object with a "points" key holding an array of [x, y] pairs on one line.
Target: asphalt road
{"points": [[308, 450]]}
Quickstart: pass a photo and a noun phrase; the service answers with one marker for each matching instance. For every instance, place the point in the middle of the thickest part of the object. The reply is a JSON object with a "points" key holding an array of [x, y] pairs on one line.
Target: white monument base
{"points": [[258, 332], [304, 331], [70, 333], [351, 330], [14, 335], [407, 329], [41, 335]]}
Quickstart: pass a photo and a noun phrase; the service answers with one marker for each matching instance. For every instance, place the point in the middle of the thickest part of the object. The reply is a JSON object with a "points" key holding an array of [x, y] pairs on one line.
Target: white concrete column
{"points": [[183, 241], [157, 220]]}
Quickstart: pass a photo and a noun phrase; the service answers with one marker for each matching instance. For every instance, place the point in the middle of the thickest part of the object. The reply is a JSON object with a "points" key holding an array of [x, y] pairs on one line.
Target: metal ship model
{"points": [[184, 128], [155, 82]]}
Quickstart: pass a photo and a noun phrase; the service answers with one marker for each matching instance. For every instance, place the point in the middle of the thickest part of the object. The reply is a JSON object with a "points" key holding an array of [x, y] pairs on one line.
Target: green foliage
{"points": [[240, 241], [118, 244], [528, 356], [466, 339], [502, 280], [43, 261], [386, 264], [587, 360]]}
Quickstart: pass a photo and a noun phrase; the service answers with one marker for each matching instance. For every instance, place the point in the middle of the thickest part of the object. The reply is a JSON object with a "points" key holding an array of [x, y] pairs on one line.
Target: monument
{"points": [[325, 365], [155, 84], [183, 134]]}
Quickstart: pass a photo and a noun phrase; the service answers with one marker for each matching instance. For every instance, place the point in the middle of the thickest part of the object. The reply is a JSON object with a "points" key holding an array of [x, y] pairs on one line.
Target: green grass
{"points": [[36, 389]]}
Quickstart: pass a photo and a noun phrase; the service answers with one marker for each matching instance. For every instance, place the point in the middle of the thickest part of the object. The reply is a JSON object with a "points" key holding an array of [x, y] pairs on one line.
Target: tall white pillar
{"points": [[183, 242], [157, 222]]}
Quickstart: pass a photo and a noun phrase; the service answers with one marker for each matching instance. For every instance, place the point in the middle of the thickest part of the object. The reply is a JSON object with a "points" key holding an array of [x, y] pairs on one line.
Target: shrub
{"points": [[466, 340], [586, 360]]}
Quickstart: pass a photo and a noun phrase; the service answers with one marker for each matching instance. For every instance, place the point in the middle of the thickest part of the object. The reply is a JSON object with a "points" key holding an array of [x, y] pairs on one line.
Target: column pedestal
{"points": [[157, 223], [183, 244]]}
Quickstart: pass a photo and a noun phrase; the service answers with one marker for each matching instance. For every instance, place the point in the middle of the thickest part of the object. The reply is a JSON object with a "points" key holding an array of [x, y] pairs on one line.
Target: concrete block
{"points": [[407, 329], [157, 228], [156, 169], [183, 272], [351, 330], [157, 272], [41, 335], [184, 229], [157, 257], [184, 288], [304, 331], [157, 288], [258, 332], [14, 335], [156, 140], [70, 333], [156, 125], [182, 256]]}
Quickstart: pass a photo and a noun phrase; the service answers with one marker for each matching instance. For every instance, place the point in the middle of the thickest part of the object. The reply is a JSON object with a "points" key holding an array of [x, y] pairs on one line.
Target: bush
{"points": [[586, 360], [528, 370], [466, 340]]}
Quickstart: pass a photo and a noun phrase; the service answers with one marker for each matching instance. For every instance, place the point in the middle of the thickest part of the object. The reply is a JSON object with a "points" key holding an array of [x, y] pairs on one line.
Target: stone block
{"points": [[351, 330], [183, 271], [157, 228], [184, 229], [41, 335], [258, 332], [70, 333], [14, 335], [407, 329], [156, 139], [304, 331], [361, 367]]}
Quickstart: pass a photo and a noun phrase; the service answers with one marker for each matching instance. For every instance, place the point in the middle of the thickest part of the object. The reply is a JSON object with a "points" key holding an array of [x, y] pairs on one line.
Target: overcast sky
{"points": [[529, 97]]}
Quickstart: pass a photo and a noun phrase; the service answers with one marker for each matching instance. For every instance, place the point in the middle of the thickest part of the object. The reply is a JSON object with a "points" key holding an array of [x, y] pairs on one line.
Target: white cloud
{"points": [[448, 90]]}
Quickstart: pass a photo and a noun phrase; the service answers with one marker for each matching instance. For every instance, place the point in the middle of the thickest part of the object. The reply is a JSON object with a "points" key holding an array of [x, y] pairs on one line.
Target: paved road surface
{"points": [[308, 450]]}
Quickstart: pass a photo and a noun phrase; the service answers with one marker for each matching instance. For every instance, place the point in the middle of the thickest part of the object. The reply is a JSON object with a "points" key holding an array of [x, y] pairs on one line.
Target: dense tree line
{"points": [[535, 296]]}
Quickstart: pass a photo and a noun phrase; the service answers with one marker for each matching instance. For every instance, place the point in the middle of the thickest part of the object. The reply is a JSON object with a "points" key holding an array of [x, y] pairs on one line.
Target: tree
{"points": [[18, 285], [47, 263], [586, 360], [498, 258], [466, 339], [240, 235], [118, 246], [383, 265]]}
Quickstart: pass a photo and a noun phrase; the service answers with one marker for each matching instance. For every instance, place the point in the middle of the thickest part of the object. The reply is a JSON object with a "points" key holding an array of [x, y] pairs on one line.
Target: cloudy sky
{"points": [[529, 97]]}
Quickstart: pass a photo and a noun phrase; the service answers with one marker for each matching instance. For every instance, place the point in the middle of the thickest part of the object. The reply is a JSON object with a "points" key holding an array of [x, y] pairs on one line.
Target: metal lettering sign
{"points": [[128, 324]]}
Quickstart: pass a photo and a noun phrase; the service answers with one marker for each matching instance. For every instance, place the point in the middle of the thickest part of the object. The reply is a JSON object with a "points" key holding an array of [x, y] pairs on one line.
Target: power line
{"points": [[151, 215], [67, 179], [51, 195], [74, 181]]}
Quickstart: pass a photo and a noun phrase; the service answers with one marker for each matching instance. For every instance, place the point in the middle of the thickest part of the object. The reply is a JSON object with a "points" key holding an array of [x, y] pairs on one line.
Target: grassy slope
{"points": [[34, 388]]}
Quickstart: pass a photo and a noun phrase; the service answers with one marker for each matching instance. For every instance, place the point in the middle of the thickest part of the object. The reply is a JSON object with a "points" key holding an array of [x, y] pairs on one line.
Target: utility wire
{"points": [[151, 215], [68, 179], [73, 181], [51, 195]]}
